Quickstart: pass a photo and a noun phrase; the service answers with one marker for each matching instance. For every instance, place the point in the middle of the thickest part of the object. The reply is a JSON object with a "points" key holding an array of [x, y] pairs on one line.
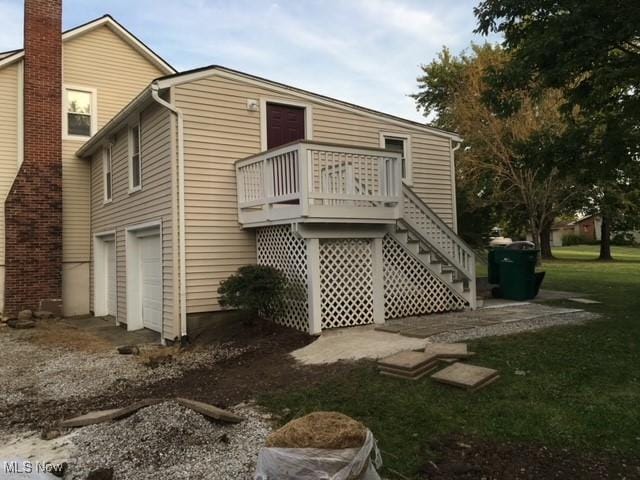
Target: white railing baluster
{"points": [[437, 235], [304, 174]]}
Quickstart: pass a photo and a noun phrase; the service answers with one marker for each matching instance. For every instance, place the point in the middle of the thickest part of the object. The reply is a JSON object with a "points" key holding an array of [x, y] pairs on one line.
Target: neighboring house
{"points": [[103, 68], [561, 229], [211, 169], [589, 228]]}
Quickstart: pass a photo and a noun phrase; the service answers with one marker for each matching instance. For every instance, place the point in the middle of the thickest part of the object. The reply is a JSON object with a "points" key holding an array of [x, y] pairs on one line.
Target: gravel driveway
{"points": [[171, 441], [53, 372]]}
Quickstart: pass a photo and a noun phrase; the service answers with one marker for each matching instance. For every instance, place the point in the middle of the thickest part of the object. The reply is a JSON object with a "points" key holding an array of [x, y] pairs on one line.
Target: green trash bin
{"points": [[493, 268], [517, 273]]}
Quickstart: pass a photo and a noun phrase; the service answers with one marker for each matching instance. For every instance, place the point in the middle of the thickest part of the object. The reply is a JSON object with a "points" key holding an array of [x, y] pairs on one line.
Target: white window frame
{"points": [[94, 112], [134, 188], [308, 117], [408, 162], [107, 169]]}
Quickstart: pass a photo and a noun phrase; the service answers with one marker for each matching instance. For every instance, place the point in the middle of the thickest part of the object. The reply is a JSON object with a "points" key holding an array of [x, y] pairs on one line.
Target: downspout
{"points": [[181, 221], [454, 195]]}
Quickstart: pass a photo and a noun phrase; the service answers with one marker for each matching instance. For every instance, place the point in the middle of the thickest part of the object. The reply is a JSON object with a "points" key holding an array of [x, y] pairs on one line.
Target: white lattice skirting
{"points": [[410, 288], [346, 282], [280, 248], [347, 270]]}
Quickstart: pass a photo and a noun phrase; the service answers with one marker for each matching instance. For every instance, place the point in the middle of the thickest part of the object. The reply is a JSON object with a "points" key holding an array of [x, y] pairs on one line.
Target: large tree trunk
{"points": [[545, 243], [535, 235], [605, 242]]}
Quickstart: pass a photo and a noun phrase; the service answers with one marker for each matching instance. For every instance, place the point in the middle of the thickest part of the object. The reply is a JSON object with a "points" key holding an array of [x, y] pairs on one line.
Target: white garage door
{"points": [[110, 268], [151, 282]]}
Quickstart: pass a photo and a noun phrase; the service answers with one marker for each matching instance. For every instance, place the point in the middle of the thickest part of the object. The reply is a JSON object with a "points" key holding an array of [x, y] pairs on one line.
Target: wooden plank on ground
{"points": [[209, 410], [100, 416]]}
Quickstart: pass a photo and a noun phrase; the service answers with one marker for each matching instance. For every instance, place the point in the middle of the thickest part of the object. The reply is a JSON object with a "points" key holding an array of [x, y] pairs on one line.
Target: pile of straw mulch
{"points": [[331, 430]]}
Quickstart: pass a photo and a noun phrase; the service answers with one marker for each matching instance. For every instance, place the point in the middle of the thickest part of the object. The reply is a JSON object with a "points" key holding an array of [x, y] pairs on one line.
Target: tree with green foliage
{"points": [[590, 51], [505, 162]]}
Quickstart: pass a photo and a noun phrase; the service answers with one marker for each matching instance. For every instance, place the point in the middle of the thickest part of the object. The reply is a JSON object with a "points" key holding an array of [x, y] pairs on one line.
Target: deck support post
{"points": [[313, 286], [378, 280]]}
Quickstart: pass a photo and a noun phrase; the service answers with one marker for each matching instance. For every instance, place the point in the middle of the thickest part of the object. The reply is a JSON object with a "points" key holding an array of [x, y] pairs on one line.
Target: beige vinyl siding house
{"points": [[103, 59], [102, 62], [151, 205], [204, 133], [219, 129], [10, 145]]}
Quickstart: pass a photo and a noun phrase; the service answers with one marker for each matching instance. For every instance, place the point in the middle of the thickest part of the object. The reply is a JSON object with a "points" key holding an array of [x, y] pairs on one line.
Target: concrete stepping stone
{"points": [[449, 350], [416, 374], [100, 416], [210, 411], [469, 377], [407, 360], [586, 301], [410, 365]]}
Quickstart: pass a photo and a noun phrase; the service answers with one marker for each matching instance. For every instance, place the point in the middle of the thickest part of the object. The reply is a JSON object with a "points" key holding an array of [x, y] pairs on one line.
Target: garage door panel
{"points": [[110, 260], [151, 282]]}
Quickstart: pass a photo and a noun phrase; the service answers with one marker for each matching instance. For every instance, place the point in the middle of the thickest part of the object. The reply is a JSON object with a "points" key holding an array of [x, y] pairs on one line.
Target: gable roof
{"points": [[203, 72], [9, 57], [144, 98]]}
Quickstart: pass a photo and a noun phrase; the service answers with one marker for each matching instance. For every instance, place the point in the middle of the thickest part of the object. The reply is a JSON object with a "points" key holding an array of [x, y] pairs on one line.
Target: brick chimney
{"points": [[33, 208]]}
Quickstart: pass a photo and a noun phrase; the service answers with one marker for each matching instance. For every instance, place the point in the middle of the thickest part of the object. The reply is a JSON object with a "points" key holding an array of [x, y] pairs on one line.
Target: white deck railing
{"points": [[321, 180], [436, 234]]}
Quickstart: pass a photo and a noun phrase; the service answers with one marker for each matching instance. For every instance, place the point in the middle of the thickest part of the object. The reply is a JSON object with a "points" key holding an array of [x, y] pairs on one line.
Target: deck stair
{"points": [[432, 242]]}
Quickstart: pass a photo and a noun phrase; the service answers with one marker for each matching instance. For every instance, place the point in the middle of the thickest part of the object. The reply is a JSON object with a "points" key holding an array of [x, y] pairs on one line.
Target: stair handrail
{"points": [[462, 256]]}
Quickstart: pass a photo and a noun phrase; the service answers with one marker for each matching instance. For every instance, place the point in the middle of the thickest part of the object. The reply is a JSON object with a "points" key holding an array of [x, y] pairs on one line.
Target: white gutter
{"points": [[181, 221]]}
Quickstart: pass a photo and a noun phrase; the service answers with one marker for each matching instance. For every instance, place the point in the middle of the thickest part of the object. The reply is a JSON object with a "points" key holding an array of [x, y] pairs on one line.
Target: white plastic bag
{"points": [[320, 464]]}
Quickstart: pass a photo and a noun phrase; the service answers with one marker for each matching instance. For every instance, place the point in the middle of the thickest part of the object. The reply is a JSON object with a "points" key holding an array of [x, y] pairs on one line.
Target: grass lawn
{"points": [[581, 389]]}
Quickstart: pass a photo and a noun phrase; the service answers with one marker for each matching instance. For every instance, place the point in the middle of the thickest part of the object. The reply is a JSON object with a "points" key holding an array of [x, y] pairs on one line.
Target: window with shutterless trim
{"points": [[80, 112], [399, 143], [107, 172], [135, 158]]}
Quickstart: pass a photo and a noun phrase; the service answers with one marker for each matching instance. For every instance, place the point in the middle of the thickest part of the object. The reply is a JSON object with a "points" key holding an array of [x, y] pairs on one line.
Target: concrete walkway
{"points": [[354, 343], [428, 325], [414, 333]]}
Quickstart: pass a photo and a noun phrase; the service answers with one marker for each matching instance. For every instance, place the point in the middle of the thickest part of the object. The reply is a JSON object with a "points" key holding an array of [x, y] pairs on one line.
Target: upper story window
{"points": [[135, 159], [80, 114], [107, 169], [400, 144]]}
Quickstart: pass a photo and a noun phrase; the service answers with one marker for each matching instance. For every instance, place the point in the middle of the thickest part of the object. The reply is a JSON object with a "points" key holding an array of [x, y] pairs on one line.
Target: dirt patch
{"points": [[48, 384], [60, 334], [458, 458]]}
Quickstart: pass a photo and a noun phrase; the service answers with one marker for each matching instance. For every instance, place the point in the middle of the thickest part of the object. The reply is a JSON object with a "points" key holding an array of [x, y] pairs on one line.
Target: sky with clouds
{"points": [[363, 51]]}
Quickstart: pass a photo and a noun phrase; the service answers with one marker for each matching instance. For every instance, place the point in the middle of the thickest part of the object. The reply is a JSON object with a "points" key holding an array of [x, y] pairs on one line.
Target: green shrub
{"points": [[623, 239], [257, 290], [573, 239]]}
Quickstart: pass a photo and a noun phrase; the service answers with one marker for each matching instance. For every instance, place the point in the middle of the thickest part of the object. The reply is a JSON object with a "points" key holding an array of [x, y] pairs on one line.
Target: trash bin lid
{"points": [[523, 245]]}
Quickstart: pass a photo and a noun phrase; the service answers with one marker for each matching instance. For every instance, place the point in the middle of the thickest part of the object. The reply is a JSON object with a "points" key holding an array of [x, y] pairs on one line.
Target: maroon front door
{"points": [[284, 124]]}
